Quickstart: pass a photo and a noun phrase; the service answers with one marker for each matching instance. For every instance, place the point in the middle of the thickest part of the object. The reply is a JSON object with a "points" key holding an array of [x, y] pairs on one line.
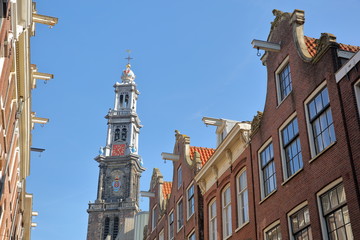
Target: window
{"points": [[124, 100], [154, 217], [291, 148], [242, 199], [190, 201], [357, 94], [106, 227], [117, 134], [300, 224], [123, 134], [179, 177], [226, 211], [268, 170], [180, 215], [116, 227], [283, 80], [285, 85], [192, 236], [336, 214], [273, 234], [321, 122], [171, 225], [212, 221], [161, 235]]}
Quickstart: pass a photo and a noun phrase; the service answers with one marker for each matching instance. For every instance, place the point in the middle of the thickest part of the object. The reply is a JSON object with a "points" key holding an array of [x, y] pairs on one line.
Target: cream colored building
{"points": [[17, 78]]}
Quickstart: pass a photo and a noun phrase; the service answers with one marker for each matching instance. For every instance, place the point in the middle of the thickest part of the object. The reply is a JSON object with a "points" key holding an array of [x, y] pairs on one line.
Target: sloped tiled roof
{"points": [[205, 153], [166, 189], [311, 45]]}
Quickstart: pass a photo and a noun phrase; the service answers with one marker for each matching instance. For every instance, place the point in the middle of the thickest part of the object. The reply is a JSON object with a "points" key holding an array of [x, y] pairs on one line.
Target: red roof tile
{"points": [[311, 45], [349, 48], [166, 189], [205, 153]]}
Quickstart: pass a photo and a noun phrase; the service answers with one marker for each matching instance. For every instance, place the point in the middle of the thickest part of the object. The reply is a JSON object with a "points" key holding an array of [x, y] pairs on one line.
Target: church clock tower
{"points": [[111, 216]]}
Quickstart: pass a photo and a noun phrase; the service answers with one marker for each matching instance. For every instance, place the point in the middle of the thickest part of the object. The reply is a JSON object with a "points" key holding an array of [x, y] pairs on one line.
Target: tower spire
{"points": [[120, 167]]}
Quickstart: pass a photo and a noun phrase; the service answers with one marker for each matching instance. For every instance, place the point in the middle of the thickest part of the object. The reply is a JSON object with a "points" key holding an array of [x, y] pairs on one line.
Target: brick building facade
{"points": [[176, 207], [301, 177], [17, 79], [295, 173]]}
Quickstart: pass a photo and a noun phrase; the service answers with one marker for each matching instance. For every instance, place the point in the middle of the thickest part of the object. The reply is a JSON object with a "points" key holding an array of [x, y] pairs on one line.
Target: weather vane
{"points": [[128, 58]]}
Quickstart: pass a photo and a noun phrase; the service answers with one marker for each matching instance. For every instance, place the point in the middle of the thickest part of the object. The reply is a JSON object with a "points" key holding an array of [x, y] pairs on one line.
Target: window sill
{"points": [[225, 238], [268, 196], [320, 153], [189, 217], [179, 229], [281, 101], [244, 224], [292, 176]]}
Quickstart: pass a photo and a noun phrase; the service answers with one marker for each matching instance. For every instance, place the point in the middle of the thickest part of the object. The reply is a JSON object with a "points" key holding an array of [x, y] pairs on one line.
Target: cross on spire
{"points": [[128, 58]]}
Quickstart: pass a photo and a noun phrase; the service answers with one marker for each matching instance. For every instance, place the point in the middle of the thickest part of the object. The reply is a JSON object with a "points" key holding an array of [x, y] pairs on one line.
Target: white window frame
{"points": [[178, 227], [357, 94], [324, 230], [239, 200], [270, 227], [179, 177], [212, 219], [262, 187], [226, 219], [161, 235], [278, 71], [282, 152], [309, 126], [192, 233], [153, 220], [292, 212], [169, 226], [188, 213]]}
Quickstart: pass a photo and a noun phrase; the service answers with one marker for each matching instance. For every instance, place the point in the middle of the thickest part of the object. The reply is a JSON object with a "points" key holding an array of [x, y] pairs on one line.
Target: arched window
{"points": [[121, 100], [116, 228], [126, 100], [242, 198], [226, 212], [106, 227], [123, 134], [117, 134]]}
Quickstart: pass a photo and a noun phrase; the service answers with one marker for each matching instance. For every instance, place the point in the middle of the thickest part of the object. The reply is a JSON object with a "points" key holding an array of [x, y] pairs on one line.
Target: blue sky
{"points": [[191, 59]]}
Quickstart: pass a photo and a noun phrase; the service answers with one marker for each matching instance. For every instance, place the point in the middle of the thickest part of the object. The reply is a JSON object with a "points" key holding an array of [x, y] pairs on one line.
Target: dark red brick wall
{"points": [[248, 231], [330, 165], [196, 220], [341, 160]]}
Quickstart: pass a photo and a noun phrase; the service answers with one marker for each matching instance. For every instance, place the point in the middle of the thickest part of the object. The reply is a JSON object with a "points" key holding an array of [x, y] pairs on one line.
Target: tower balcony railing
{"points": [[121, 112], [112, 205]]}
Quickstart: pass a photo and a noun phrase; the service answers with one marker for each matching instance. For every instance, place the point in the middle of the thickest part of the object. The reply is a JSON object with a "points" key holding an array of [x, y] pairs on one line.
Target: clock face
{"points": [[118, 150]]}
